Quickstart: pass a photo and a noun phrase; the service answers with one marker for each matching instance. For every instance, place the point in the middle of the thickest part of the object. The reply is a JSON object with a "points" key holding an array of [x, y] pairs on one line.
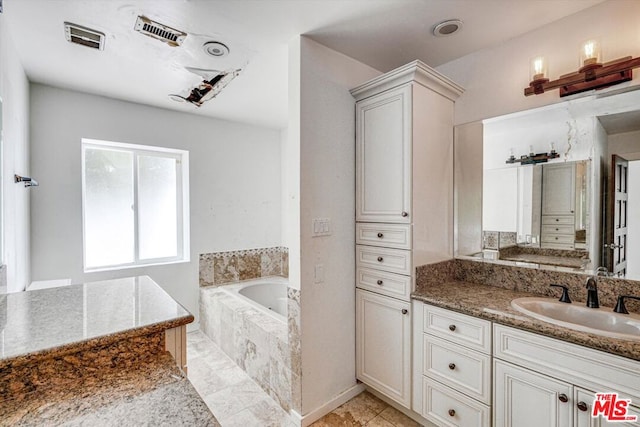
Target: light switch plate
{"points": [[321, 227]]}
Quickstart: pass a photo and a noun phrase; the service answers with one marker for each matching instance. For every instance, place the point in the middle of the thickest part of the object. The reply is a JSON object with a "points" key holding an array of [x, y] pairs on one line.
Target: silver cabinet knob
{"points": [[452, 328], [405, 214], [405, 311], [563, 398], [380, 259], [452, 366], [380, 235], [379, 282]]}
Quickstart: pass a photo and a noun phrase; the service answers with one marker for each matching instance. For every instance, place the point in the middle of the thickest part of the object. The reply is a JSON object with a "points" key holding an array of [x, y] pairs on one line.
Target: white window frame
{"points": [[182, 194]]}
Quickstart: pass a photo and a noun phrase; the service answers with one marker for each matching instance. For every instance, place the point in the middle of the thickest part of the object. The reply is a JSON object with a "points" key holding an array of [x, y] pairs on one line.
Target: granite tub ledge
{"points": [[58, 321], [494, 304]]}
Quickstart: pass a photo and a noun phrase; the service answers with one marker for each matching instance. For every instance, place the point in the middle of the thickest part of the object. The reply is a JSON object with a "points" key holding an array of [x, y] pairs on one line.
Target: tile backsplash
{"points": [[221, 268]]}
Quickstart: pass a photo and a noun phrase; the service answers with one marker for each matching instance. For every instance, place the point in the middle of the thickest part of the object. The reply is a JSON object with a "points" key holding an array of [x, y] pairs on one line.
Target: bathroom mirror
{"points": [[567, 207]]}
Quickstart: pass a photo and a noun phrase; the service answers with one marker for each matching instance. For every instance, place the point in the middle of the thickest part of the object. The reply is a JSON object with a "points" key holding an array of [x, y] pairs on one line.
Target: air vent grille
{"points": [[158, 31], [84, 36]]}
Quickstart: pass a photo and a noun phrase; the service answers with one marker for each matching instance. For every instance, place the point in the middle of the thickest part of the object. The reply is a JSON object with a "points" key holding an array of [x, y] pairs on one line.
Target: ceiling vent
{"points": [[158, 31], [84, 36]]}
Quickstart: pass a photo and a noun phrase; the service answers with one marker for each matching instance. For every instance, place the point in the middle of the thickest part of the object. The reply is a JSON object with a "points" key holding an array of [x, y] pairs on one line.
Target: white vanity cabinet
{"points": [[452, 367], [540, 381], [383, 345], [404, 206]]}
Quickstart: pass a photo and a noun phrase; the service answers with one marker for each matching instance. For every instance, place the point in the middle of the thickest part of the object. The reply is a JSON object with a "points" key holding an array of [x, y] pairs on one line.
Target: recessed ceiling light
{"points": [[216, 49], [447, 28]]}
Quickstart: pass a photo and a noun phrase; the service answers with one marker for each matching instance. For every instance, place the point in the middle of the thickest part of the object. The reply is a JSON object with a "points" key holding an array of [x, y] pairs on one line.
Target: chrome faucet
{"points": [[592, 293]]}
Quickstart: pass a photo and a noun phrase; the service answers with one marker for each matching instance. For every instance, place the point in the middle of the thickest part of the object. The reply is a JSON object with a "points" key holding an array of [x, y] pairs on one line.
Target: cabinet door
{"points": [[526, 399], [383, 157], [559, 189], [383, 345], [584, 407]]}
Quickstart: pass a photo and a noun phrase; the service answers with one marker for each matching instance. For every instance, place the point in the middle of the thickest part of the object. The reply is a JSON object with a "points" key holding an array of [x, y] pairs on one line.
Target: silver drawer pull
{"points": [[452, 328], [452, 366], [452, 412], [379, 282], [380, 235], [405, 214], [380, 259], [405, 311]]}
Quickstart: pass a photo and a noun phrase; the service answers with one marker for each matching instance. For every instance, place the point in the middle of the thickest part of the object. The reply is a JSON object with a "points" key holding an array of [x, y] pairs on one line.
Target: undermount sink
{"points": [[600, 321]]}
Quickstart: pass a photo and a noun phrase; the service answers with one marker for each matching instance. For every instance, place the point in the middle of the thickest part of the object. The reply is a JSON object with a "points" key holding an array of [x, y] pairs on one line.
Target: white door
{"points": [[559, 189], [383, 157], [383, 345], [584, 406], [526, 399]]}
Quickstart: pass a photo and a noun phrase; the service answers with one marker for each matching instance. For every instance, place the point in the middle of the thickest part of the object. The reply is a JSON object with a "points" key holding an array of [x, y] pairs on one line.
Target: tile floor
{"points": [[236, 400]]}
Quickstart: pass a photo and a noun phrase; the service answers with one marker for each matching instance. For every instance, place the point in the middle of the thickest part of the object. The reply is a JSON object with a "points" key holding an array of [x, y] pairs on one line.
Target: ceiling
{"points": [[384, 34]]}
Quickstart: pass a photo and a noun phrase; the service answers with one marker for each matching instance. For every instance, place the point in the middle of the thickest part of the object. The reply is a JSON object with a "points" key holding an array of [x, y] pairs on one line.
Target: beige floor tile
{"points": [[379, 422], [397, 418]]}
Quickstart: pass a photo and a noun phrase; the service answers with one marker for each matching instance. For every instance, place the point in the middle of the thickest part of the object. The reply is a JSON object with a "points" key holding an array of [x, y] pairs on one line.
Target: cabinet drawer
{"points": [[573, 363], [558, 229], [462, 329], [394, 285], [447, 407], [462, 369], [392, 260], [558, 219], [564, 239], [387, 235]]}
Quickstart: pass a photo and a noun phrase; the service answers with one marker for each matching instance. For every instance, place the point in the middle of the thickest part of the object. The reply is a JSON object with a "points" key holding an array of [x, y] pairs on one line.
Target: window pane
{"points": [[157, 207], [108, 208]]}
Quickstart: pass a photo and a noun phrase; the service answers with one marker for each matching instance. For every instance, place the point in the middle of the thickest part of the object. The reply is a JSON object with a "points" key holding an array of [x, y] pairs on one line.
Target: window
{"points": [[135, 202]]}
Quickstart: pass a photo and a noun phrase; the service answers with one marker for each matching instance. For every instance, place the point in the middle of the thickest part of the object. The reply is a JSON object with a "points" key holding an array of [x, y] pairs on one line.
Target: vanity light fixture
{"points": [[592, 74], [533, 158]]}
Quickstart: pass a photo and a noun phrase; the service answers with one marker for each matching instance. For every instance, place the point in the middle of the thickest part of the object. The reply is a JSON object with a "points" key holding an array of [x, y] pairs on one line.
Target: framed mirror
{"points": [[556, 187], [1, 187]]}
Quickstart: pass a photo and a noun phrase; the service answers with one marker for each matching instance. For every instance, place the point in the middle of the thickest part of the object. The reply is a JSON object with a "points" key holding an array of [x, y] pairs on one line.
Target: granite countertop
{"points": [[58, 321], [494, 304], [548, 260], [155, 393]]}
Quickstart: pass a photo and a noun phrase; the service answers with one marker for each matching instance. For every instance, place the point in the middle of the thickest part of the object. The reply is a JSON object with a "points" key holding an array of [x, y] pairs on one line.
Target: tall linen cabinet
{"points": [[404, 212]]}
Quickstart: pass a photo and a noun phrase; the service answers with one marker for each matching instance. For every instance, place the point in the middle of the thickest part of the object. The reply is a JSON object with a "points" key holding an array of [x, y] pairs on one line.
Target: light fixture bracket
{"points": [[589, 77]]}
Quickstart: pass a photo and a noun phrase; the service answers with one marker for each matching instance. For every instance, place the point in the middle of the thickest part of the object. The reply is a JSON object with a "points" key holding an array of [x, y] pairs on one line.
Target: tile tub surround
{"points": [[485, 290], [59, 321], [255, 341], [220, 268]]}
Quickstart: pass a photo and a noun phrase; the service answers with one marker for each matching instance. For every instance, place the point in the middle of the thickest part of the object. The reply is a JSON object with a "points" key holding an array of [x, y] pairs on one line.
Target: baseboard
{"points": [[321, 411]]}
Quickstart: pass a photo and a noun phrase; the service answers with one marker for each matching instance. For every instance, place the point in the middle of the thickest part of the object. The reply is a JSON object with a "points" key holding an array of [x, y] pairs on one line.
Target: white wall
{"points": [[327, 189], [235, 183], [494, 79], [14, 91]]}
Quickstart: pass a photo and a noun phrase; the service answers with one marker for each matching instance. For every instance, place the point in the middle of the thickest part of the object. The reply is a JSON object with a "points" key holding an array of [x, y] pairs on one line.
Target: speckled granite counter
{"points": [[57, 321], [94, 354], [494, 304]]}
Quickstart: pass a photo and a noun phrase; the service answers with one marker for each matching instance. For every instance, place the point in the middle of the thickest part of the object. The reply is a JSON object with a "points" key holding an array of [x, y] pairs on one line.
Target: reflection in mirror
{"points": [[575, 212]]}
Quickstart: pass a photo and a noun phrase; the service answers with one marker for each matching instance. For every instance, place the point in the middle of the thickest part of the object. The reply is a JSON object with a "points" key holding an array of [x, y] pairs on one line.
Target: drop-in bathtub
{"points": [[268, 295], [248, 321]]}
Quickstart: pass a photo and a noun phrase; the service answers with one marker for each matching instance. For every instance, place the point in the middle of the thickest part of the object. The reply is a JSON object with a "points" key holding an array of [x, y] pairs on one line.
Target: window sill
{"points": [[133, 266]]}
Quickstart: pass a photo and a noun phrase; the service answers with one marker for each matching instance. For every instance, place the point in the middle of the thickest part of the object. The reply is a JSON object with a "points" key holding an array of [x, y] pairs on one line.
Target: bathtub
{"points": [[248, 321], [268, 295]]}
